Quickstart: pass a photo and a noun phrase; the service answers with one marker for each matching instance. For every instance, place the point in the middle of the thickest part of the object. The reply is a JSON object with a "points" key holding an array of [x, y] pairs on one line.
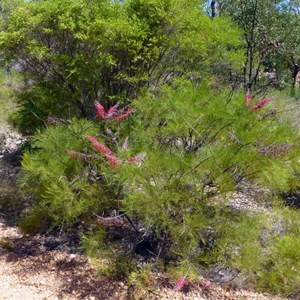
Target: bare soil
{"points": [[37, 268]]}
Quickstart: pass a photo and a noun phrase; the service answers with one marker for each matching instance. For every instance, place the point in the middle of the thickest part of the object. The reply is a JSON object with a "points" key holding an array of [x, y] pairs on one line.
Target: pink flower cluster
{"points": [[248, 98], [137, 158], [181, 282], [206, 283], [113, 112], [111, 158], [261, 103]]}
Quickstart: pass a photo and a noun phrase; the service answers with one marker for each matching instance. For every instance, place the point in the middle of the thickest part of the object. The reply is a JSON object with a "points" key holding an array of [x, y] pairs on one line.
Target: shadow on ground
{"points": [[45, 255], [52, 257]]}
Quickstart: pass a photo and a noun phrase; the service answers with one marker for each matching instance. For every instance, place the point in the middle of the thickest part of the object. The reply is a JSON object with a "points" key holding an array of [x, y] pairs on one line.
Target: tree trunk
{"points": [[213, 8]]}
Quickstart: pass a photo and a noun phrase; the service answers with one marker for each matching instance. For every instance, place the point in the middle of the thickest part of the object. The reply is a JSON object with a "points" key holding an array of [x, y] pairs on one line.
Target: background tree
{"points": [[289, 56], [72, 53], [260, 23]]}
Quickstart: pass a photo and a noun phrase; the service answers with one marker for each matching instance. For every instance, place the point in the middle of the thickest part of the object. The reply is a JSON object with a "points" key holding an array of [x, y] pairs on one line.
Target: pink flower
{"points": [[248, 98], [206, 283], [180, 283], [136, 158], [113, 161], [98, 146], [127, 112], [111, 158], [100, 111], [261, 104], [112, 111]]}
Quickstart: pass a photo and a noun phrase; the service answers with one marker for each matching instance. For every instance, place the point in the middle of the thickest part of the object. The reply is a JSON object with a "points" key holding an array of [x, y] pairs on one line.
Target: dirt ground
{"points": [[33, 269], [38, 268]]}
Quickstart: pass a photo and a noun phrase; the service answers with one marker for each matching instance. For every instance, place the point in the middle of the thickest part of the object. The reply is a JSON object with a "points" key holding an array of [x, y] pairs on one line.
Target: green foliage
{"points": [[270, 34], [62, 184], [238, 241], [263, 246], [107, 257], [7, 99], [195, 138], [142, 282], [28, 117], [11, 205], [222, 138], [36, 221], [199, 145], [281, 270]]}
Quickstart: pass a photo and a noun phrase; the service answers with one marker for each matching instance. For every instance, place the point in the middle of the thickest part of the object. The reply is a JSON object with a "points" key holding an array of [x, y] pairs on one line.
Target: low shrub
{"points": [[167, 168], [280, 270], [63, 186]]}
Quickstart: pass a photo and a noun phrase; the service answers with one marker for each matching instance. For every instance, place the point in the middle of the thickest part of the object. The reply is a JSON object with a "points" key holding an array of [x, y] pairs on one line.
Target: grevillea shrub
{"points": [[72, 165], [63, 179], [167, 168], [200, 145]]}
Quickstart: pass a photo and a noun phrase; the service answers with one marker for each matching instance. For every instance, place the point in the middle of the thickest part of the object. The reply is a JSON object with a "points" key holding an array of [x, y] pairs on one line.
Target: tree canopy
{"points": [[76, 52]]}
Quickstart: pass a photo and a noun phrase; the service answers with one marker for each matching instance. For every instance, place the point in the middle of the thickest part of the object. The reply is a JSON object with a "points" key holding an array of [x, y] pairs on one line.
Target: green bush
{"points": [[195, 138], [280, 271], [65, 187], [199, 145], [72, 53], [106, 255], [37, 221], [263, 247]]}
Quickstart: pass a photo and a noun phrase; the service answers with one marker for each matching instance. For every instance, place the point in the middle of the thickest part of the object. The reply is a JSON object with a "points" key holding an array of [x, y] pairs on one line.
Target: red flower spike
{"points": [[248, 98], [98, 146], [127, 112], [100, 111], [113, 161], [112, 111], [261, 104], [206, 283], [136, 158], [180, 283]]}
